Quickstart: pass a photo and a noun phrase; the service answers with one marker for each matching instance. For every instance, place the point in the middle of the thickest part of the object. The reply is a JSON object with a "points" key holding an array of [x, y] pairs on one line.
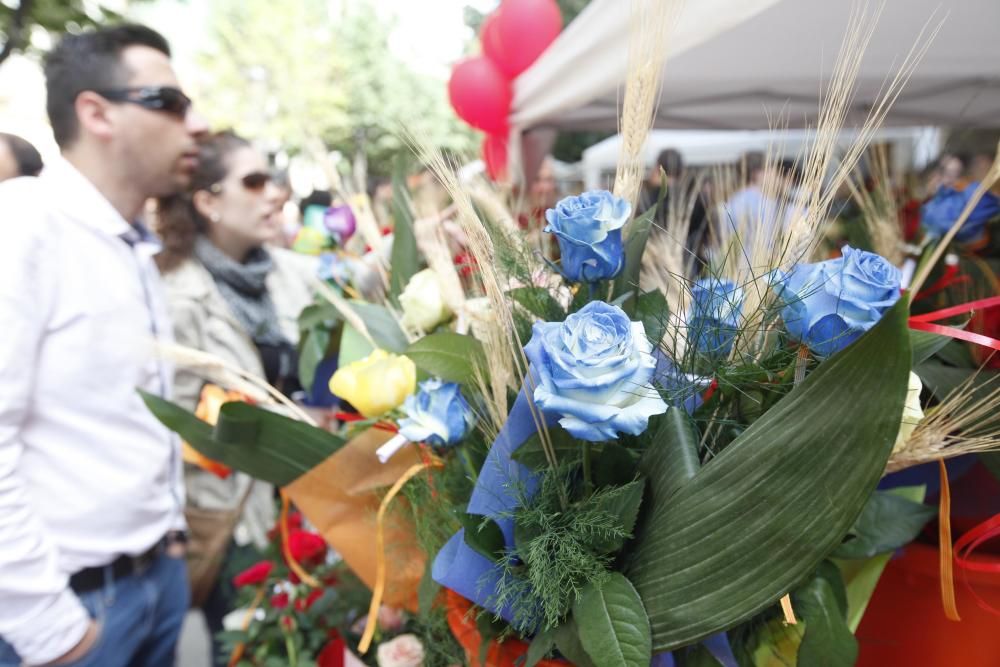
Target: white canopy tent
{"points": [[739, 64], [912, 147]]}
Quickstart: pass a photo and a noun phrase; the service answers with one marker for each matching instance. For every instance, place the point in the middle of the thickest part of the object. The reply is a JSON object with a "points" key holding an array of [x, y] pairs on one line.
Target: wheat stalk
{"points": [[966, 421], [650, 22]]}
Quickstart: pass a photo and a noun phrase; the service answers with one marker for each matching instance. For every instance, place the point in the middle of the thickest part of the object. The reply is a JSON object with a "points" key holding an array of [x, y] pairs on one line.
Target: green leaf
{"points": [[405, 258], [887, 523], [449, 356], [312, 351], [634, 246], [532, 455], [539, 302], [382, 326], [568, 643], [925, 345], [614, 465], [261, 443], [828, 641], [671, 459], [698, 656], [941, 380], [623, 503], [614, 629], [652, 310], [759, 517], [483, 535], [427, 592], [353, 346], [540, 647]]}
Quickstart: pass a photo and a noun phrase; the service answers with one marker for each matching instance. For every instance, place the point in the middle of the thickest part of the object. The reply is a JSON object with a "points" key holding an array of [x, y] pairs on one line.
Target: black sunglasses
{"points": [[255, 181], [155, 98]]}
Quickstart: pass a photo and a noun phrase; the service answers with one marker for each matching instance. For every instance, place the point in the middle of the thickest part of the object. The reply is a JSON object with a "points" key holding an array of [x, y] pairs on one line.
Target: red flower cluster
{"points": [[254, 575], [306, 547], [332, 654], [306, 603], [294, 523]]}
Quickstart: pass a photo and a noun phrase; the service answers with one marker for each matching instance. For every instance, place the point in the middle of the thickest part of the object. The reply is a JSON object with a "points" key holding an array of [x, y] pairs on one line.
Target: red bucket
{"points": [[905, 624]]}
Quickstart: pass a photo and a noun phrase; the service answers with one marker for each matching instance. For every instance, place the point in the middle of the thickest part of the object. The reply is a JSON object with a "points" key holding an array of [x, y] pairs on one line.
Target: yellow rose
{"points": [[912, 413], [376, 384]]}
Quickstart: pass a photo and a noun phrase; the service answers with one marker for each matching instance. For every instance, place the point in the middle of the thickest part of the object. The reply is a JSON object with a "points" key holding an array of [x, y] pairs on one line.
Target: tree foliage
{"points": [[295, 73], [18, 21]]}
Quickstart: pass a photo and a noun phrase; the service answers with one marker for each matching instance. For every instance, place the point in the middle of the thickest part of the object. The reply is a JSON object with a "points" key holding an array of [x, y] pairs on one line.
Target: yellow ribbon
{"points": [[247, 617], [946, 555], [379, 589], [293, 564]]}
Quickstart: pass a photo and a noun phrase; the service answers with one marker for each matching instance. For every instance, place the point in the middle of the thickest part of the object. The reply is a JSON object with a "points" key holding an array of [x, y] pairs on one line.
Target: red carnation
{"points": [[332, 654], [304, 604], [253, 575], [279, 601], [307, 548]]}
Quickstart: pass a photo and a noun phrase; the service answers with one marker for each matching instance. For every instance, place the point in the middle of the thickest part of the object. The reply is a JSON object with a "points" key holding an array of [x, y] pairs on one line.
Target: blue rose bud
{"points": [[588, 228], [594, 370], [944, 208], [437, 414], [713, 318], [828, 305]]}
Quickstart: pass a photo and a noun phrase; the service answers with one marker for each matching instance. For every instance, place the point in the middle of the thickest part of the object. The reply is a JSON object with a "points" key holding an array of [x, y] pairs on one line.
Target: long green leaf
{"points": [[261, 443], [925, 345], [449, 356], [760, 516], [627, 281], [568, 642], [653, 311], [382, 326], [405, 260], [612, 623]]}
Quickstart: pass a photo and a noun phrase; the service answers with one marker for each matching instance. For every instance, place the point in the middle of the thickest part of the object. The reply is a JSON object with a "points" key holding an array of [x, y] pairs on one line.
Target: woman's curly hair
{"points": [[177, 221]]}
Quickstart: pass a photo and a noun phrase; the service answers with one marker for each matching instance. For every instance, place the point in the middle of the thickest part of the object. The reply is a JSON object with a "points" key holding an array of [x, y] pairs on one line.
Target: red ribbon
{"points": [[949, 278], [925, 322], [966, 545]]}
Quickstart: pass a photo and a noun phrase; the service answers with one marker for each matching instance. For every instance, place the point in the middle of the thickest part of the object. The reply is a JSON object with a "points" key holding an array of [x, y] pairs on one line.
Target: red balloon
{"points": [[480, 94], [525, 28], [489, 38], [495, 156]]}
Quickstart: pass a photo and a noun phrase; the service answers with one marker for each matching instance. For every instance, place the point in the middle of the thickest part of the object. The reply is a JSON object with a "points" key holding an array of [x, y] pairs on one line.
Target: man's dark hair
{"points": [[671, 162], [29, 162], [90, 61]]}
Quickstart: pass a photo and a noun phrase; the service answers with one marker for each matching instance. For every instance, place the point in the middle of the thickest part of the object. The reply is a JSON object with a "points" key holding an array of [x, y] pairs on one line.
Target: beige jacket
{"points": [[202, 320]]}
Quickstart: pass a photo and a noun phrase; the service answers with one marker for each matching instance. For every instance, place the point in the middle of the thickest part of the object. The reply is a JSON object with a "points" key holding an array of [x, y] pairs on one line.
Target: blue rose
{"points": [[437, 414], [713, 318], [589, 230], [594, 371], [828, 305], [944, 208]]}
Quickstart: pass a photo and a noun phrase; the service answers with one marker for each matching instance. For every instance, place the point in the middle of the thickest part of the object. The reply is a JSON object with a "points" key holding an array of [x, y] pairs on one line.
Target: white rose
{"points": [[912, 413], [423, 303], [403, 651]]}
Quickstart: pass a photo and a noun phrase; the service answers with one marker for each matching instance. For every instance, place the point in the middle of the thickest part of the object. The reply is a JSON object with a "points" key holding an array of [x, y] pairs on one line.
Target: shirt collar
{"points": [[80, 199]]}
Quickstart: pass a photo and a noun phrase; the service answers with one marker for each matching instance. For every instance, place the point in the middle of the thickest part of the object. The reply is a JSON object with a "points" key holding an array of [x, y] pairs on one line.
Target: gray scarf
{"points": [[244, 289]]}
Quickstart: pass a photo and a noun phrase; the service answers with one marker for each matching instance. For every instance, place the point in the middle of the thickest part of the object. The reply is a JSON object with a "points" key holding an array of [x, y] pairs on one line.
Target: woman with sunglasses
{"points": [[234, 297]]}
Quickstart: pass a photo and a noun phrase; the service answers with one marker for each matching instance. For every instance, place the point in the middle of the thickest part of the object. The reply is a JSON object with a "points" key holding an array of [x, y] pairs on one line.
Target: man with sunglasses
{"points": [[91, 503]]}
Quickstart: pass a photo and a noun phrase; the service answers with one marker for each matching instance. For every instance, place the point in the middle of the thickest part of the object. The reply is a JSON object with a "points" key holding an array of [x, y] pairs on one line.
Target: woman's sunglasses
{"points": [[255, 181], [155, 98]]}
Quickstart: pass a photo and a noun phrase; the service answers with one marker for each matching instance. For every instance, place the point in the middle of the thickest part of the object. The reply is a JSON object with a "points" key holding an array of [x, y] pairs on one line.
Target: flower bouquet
{"points": [[591, 467]]}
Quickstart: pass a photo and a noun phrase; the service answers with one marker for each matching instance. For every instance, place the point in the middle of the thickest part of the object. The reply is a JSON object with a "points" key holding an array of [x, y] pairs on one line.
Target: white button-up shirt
{"points": [[86, 472]]}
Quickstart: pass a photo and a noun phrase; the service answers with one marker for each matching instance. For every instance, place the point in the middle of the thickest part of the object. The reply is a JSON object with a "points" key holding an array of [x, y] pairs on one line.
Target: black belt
{"points": [[95, 578]]}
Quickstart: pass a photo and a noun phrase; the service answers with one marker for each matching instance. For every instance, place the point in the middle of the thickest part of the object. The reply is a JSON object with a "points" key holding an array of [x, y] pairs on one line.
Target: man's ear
{"points": [[94, 114]]}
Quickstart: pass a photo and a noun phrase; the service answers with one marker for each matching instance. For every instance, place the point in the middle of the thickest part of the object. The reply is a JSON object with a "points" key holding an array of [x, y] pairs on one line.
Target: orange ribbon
{"points": [[247, 617], [946, 554], [286, 550], [379, 589]]}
